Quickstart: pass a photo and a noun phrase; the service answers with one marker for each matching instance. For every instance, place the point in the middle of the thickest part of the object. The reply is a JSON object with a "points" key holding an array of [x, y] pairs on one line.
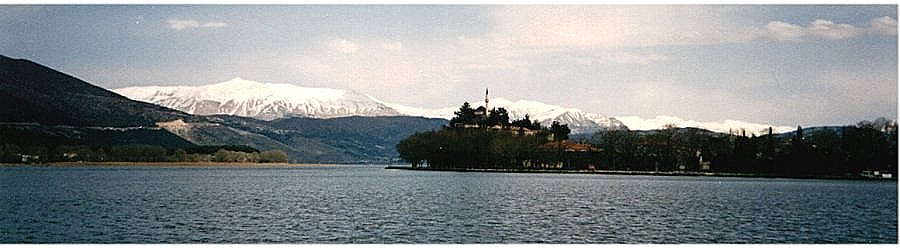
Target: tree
{"points": [[232, 156], [38, 154], [415, 149], [139, 153], [797, 161], [273, 156], [668, 133], [559, 131], [526, 123], [72, 153], [618, 145], [181, 155], [10, 153], [101, 155], [498, 116], [465, 115]]}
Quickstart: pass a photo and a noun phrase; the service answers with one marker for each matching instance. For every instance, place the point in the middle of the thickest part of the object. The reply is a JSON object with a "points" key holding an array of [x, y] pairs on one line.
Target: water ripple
{"points": [[357, 204]]}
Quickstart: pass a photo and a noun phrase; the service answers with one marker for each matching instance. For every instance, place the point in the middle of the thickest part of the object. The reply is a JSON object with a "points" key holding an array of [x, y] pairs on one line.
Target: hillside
{"points": [[34, 93], [372, 139], [45, 108]]}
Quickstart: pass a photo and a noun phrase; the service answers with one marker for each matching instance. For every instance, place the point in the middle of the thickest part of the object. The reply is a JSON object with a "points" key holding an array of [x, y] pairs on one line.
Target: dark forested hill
{"points": [[30, 92], [44, 107]]}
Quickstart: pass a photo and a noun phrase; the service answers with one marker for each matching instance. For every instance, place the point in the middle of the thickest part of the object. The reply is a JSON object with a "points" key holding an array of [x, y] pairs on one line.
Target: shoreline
{"points": [[639, 173], [165, 164]]}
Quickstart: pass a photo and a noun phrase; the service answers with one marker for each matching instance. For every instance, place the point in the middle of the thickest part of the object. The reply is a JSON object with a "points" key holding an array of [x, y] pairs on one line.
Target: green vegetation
{"points": [[11, 153], [480, 141], [822, 151], [469, 148]]}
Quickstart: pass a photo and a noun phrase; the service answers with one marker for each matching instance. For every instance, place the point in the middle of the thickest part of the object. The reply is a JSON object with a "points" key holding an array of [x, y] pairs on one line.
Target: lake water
{"points": [[368, 204]]}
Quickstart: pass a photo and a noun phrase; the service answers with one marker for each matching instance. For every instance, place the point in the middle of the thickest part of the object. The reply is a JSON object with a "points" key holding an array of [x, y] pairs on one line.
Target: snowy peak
{"points": [[443, 113], [265, 101], [579, 121]]}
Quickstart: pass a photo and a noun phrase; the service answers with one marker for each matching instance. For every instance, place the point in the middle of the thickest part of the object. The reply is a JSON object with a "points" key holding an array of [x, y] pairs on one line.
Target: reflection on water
{"points": [[367, 204]]}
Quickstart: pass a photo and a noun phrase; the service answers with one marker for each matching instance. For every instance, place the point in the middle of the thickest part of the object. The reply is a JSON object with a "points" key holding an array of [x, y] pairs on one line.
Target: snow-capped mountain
{"points": [[579, 121], [270, 101], [265, 101], [443, 113], [638, 123], [585, 122]]}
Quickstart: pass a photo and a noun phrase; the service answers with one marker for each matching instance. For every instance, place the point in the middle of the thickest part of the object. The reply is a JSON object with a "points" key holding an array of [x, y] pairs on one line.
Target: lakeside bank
{"points": [[637, 173], [169, 164]]}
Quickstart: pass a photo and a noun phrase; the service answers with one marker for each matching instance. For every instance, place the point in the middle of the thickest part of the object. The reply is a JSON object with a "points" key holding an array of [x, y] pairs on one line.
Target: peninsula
{"points": [[485, 140]]}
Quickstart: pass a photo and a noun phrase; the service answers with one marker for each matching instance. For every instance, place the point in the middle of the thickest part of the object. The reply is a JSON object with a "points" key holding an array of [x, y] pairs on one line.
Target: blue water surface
{"points": [[368, 204]]}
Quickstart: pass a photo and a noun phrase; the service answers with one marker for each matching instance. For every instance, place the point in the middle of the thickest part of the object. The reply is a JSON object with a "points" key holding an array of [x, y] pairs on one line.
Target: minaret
{"points": [[486, 109]]}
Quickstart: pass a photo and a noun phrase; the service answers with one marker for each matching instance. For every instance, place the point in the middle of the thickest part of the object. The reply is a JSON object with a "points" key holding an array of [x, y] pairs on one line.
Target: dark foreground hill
{"points": [[46, 108], [30, 92]]}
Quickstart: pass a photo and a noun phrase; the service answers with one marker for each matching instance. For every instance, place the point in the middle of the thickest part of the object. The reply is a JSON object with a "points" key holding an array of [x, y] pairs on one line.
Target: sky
{"points": [[784, 65]]}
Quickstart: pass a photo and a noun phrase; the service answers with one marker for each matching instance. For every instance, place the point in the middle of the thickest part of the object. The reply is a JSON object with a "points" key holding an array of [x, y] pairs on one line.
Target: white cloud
{"points": [[821, 29], [825, 29], [782, 31], [884, 25], [343, 46], [179, 24]]}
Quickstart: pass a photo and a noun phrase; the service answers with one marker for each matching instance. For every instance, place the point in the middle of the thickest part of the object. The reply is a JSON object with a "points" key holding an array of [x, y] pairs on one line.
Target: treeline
{"points": [[819, 151], [470, 148], [834, 151], [12, 153], [480, 138]]}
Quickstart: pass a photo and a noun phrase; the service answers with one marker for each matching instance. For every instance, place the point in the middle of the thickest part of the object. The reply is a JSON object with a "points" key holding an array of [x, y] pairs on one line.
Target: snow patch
{"points": [[638, 123], [265, 101]]}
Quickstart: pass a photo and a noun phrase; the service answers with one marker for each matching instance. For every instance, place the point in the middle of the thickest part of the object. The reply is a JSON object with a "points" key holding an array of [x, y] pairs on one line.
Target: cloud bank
{"points": [[179, 24], [821, 29]]}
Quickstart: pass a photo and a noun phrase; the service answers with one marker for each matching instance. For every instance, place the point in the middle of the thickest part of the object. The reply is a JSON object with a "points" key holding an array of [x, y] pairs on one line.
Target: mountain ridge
{"points": [[269, 101], [266, 101]]}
